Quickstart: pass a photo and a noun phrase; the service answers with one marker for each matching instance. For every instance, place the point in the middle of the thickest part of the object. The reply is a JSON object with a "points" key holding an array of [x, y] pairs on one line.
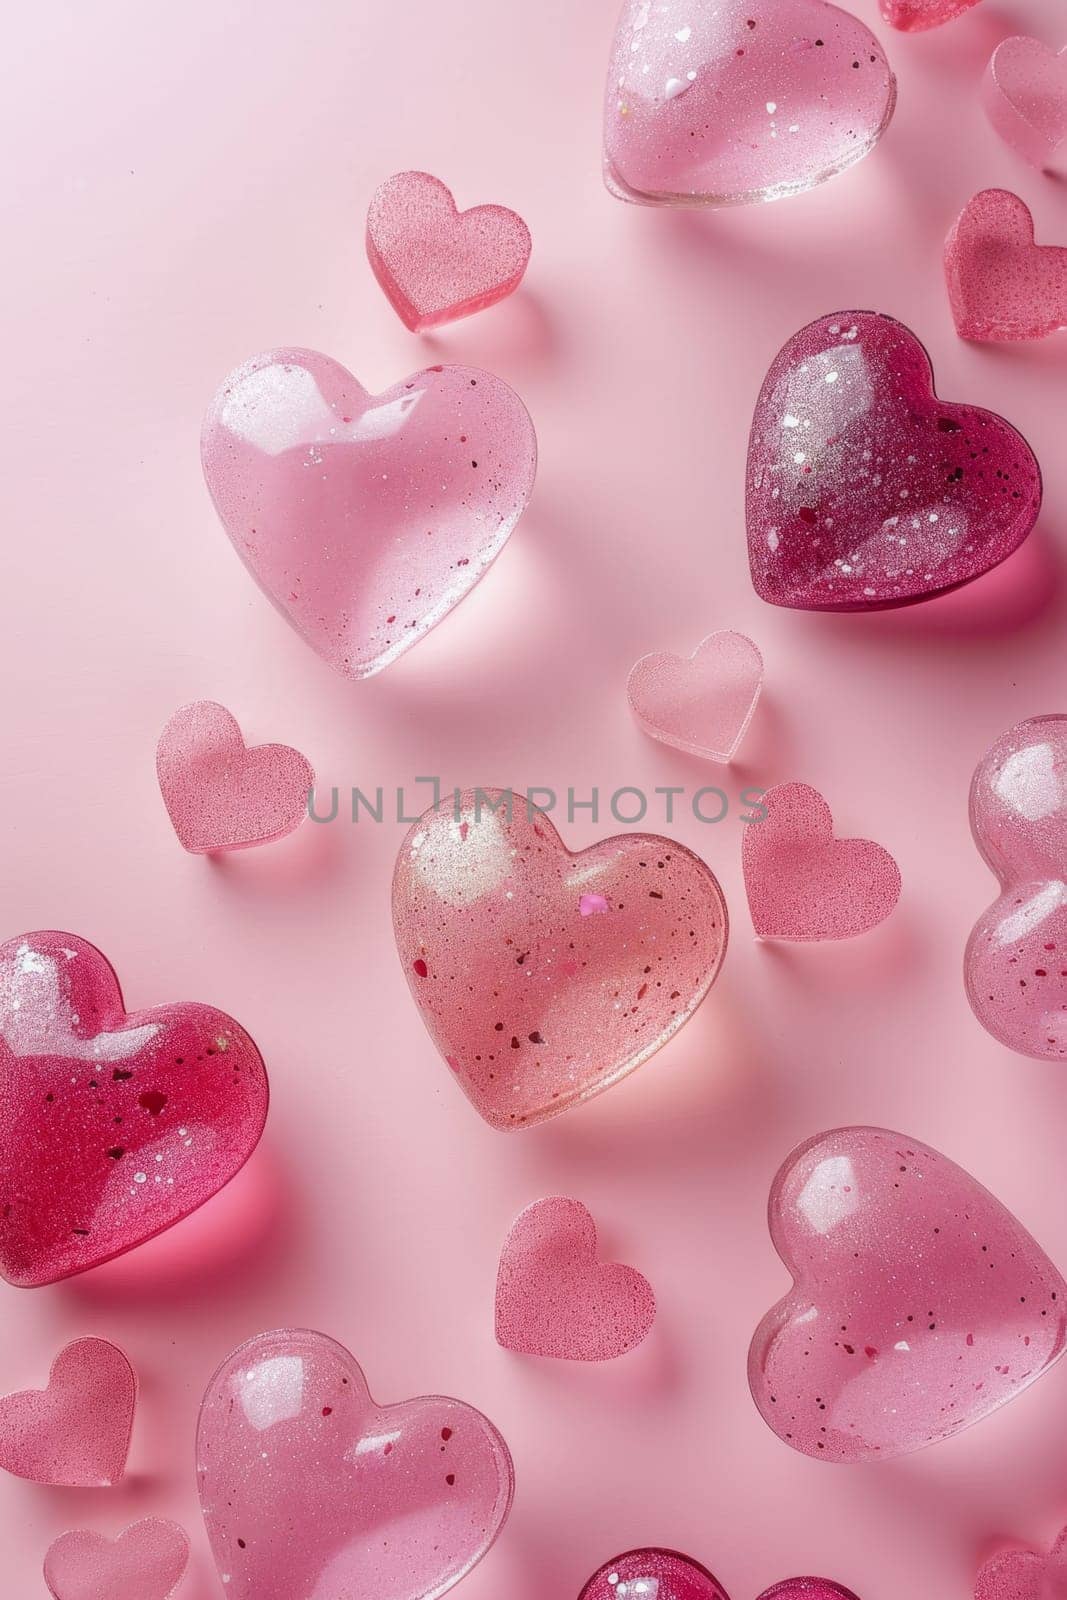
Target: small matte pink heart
{"points": [[554, 1298], [219, 793], [1001, 284], [1025, 97], [437, 263], [76, 1432], [801, 882], [1025, 1575], [914, 16], [702, 703], [146, 1562]]}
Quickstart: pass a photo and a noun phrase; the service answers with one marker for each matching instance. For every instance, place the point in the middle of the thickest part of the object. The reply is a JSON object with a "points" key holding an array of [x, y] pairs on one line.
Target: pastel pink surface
{"points": [[919, 1304], [554, 1298], [1015, 965], [146, 1562], [113, 1125], [702, 703], [1025, 1575], [309, 1487], [221, 795], [1001, 284], [366, 518], [865, 490], [435, 263], [76, 1431], [1025, 96], [915, 16], [659, 1574], [545, 976], [744, 100], [801, 882]]}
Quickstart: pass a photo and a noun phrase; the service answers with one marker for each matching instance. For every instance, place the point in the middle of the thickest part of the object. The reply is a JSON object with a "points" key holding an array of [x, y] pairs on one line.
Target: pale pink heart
{"points": [[915, 16], [1001, 284], [146, 1562], [1025, 96], [726, 103], [309, 1488], [554, 1298], [919, 1304], [437, 263], [801, 882], [702, 703], [76, 1432], [366, 518], [1025, 1575]]}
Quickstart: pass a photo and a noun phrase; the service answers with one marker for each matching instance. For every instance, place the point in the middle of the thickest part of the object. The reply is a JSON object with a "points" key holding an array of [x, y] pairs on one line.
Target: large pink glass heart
{"points": [[702, 703], [1025, 1575], [76, 1432], [544, 976], [1001, 284], [864, 489], [919, 1304], [146, 1562], [914, 16], [366, 518], [668, 1575], [1025, 97], [725, 102], [113, 1125], [1015, 966], [310, 1488]]}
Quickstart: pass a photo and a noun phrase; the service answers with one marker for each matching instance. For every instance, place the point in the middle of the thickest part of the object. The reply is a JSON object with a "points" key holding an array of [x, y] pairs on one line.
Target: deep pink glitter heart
{"points": [[1015, 965], [864, 489], [146, 1562], [366, 518], [113, 1126], [702, 703], [1025, 1575], [808, 1589], [653, 1575], [554, 1298], [914, 16], [436, 263], [309, 1487], [1025, 96], [1001, 285], [919, 1304], [76, 1432], [544, 976]]}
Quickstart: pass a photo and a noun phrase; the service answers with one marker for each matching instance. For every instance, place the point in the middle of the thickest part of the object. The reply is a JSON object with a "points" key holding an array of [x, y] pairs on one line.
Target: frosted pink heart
{"points": [[702, 703], [725, 103], [1025, 96], [554, 1298], [309, 1487], [1015, 966], [543, 976], [436, 263], [366, 518], [914, 16], [919, 1304], [804, 884], [77, 1431], [113, 1125], [1001, 285], [221, 795], [864, 489], [654, 1574], [146, 1562], [1025, 1575]]}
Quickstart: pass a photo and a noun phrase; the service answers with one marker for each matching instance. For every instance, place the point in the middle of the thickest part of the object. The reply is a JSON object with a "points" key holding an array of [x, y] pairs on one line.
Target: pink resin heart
{"points": [[726, 102], [146, 1562], [544, 976], [221, 795], [113, 1125], [864, 489], [702, 703], [310, 1488], [919, 1304], [1001, 285], [654, 1574], [436, 263], [808, 1589], [1025, 97], [366, 518], [914, 16], [554, 1298], [76, 1432], [1025, 1575], [804, 884], [1015, 966]]}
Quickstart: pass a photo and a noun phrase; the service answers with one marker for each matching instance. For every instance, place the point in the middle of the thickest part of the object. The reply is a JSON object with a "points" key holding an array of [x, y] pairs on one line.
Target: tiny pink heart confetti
{"points": [[146, 1562], [915, 16], [702, 703], [1025, 96], [1002, 285], [1025, 1575], [75, 1432]]}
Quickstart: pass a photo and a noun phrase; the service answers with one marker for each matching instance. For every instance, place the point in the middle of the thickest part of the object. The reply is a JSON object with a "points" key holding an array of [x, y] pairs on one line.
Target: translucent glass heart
{"points": [[1025, 96], [919, 1304], [864, 489], [725, 102], [366, 518], [702, 703], [653, 1575], [1001, 284], [1015, 966], [113, 1125], [221, 795], [554, 1298], [914, 16], [310, 1488], [804, 884], [436, 263], [146, 1562], [76, 1432], [543, 976], [1025, 1575]]}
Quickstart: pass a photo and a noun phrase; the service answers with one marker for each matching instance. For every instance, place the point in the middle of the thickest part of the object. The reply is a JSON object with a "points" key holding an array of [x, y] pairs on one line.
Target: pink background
{"points": [[187, 186]]}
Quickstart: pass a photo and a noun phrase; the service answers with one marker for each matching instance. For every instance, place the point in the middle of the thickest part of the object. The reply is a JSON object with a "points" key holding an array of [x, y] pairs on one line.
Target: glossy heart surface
{"points": [[653, 1575], [915, 16], [146, 1562], [808, 1589], [76, 1432], [1001, 284], [702, 703], [1025, 96], [1025, 1575]]}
